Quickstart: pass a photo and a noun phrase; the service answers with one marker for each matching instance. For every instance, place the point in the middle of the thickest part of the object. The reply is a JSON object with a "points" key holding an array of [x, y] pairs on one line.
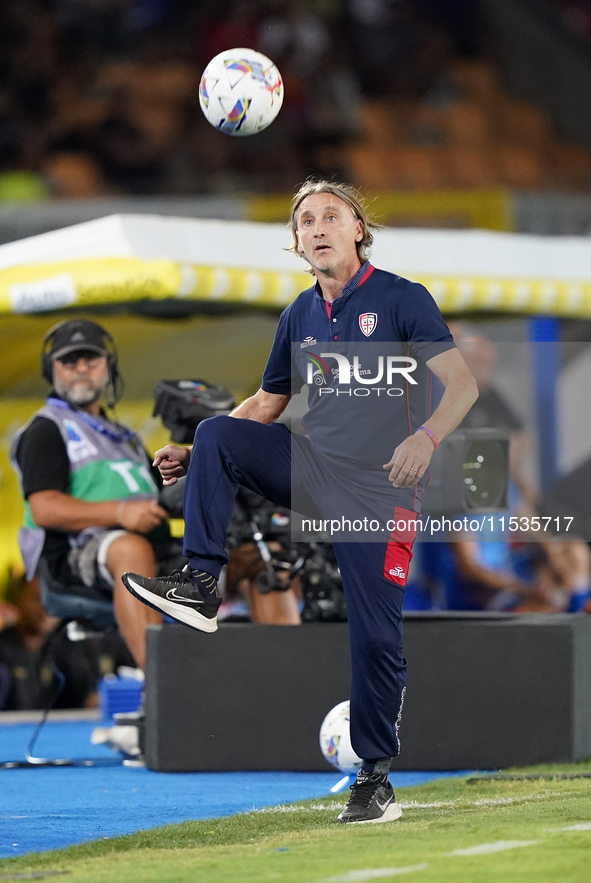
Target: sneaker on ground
{"points": [[187, 596], [372, 800]]}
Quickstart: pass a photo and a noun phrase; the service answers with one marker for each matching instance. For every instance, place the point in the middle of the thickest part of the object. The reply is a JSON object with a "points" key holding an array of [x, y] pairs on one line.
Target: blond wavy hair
{"points": [[354, 200]]}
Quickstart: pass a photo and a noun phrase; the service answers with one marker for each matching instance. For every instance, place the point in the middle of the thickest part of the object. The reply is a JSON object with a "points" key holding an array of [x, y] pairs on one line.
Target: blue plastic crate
{"points": [[118, 695]]}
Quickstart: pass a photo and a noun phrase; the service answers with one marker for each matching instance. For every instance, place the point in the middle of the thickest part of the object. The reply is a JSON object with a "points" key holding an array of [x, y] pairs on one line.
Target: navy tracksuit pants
{"points": [[269, 460]]}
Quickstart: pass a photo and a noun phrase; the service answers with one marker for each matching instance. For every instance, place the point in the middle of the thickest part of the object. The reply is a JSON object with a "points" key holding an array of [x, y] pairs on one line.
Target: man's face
{"points": [[80, 377], [327, 232]]}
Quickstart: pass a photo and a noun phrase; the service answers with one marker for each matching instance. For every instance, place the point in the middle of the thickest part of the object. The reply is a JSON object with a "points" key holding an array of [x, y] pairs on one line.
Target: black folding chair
{"points": [[82, 617]]}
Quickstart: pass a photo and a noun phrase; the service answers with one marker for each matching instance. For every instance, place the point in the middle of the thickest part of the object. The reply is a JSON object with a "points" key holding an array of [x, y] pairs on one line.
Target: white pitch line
{"points": [[412, 804], [499, 846], [372, 874], [335, 805], [502, 801], [583, 826], [283, 807]]}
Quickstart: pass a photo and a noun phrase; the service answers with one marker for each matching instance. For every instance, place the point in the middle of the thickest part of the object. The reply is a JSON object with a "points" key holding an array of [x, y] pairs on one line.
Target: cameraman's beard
{"points": [[80, 392]]}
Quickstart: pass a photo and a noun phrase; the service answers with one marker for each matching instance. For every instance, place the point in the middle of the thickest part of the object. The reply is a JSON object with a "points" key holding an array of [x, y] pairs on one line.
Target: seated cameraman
{"points": [[91, 510]]}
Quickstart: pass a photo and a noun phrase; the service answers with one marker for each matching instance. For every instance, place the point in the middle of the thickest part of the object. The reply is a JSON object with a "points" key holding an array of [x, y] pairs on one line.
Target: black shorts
{"points": [[82, 571]]}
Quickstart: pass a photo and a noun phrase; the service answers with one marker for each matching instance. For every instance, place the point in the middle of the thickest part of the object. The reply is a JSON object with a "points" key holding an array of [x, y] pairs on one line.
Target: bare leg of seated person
{"points": [[132, 552], [274, 608]]}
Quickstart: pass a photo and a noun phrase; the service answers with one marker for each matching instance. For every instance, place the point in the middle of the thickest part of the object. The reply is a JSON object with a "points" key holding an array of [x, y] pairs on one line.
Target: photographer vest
{"points": [[107, 462]]}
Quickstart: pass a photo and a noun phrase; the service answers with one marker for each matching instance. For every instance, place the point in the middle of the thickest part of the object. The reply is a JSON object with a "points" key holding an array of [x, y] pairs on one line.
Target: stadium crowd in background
{"points": [[101, 99]]}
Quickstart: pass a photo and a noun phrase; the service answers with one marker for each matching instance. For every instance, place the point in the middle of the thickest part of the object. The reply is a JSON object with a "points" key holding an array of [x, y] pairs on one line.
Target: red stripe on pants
{"points": [[399, 548]]}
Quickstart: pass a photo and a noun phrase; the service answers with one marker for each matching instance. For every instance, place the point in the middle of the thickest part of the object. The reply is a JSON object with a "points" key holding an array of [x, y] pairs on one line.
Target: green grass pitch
{"points": [[536, 829]]}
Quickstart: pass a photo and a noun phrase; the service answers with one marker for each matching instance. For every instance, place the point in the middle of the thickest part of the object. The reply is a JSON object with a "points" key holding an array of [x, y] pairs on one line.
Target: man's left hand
{"points": [[410, 460]]}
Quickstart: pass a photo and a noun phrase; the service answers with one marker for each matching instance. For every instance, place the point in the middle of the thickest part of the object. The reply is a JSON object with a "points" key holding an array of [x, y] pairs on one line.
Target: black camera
{"points": [[469, 473], [183, 404], [322, 589]]}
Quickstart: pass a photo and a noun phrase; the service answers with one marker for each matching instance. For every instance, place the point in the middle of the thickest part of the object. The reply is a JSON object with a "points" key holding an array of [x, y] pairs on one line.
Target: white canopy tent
{"points": [[126, 258]]}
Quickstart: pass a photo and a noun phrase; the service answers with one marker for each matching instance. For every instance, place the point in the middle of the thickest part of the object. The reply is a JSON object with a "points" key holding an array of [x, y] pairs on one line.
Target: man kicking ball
{"points": [[364, 454]]}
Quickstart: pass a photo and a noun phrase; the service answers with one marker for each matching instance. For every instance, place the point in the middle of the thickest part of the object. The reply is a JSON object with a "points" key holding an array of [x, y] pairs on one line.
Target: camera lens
{"points": [[484, 474]]}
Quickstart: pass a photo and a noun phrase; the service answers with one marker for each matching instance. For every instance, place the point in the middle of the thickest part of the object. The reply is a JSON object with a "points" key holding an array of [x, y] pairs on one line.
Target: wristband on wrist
{"points": [[430, 434], [119, 511]]}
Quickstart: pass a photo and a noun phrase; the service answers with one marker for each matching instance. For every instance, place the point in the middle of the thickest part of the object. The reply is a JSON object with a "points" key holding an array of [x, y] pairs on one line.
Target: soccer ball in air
{"points": [[241, 92], [335, 740]]}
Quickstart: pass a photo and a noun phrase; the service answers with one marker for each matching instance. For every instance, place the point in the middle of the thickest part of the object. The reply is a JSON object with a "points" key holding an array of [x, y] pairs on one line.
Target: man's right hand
{"points": [[172, 462], [140, 516]]}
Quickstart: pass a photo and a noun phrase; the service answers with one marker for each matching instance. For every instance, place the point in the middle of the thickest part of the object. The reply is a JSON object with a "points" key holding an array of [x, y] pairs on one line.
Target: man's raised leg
{"points": [[227, 451]]}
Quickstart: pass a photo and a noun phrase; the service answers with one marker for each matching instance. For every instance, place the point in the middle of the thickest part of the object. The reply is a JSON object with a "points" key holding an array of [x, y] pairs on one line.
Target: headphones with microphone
{"points": [[115, 381]]}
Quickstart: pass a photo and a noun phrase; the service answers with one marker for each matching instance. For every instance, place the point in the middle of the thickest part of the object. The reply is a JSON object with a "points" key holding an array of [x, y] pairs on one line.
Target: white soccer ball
{"points": [[335, 740], [241, 92]]}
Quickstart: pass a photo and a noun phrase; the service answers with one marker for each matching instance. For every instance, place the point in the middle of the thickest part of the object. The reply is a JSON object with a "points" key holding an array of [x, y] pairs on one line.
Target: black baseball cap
{"points": [[79, 334]]}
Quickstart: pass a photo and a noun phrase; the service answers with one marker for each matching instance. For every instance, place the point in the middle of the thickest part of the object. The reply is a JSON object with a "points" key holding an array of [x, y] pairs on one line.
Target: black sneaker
{"points": [[187, 596], [372, 800]]}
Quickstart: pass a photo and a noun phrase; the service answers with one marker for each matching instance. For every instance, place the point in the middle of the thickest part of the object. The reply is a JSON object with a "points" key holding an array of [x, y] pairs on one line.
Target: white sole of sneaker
{"points": [[181, 614], [393, 812]]}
